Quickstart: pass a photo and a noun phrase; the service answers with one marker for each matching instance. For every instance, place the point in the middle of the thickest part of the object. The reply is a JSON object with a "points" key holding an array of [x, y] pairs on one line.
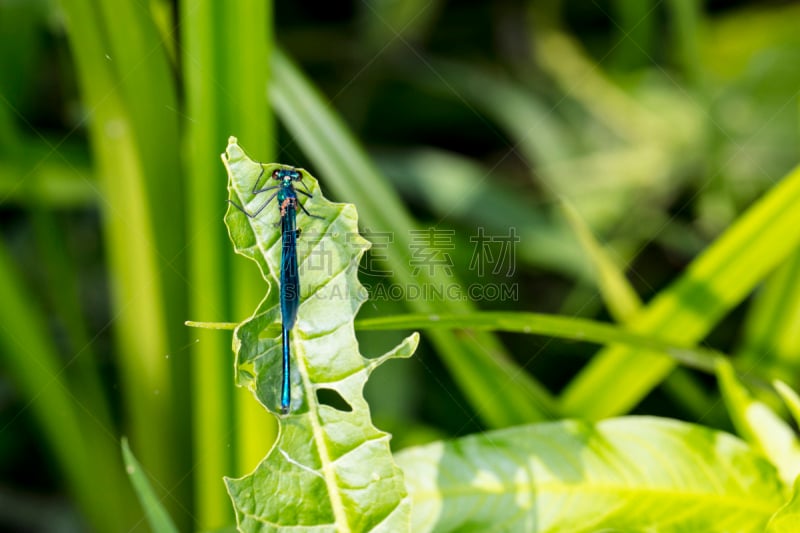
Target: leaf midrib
{"points": [[328, 473]]}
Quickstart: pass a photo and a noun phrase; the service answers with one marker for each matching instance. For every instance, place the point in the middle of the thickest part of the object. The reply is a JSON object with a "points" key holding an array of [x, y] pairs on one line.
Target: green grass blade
{"points": [[212, 374], [570, 328], [157, 516], [226, 70], [619, 296], [123, 159], [60, 290], [714, 283], [226, 326], [330, 467], [625, 474], [31, 360], [623, 304], [686, 26], [790, 398], [153, 244], [137, 59], [81, 372], [759, 425], [247, 40], [479, 364], [636, 22], [772, 334]]}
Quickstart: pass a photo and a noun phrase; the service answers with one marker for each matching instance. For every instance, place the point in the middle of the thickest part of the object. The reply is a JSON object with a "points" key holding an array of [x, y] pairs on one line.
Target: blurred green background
{"points": [[658, 121]]}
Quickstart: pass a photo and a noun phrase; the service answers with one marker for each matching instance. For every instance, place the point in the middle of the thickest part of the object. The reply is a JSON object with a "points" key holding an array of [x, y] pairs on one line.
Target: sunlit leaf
{"points": [[330, 468], [788, 516], [759, 424], [625, 474]]}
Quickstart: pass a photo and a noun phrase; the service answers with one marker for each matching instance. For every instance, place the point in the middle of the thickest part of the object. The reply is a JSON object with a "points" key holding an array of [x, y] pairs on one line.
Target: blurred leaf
{"points": [[790, 398], [759, 425], [35, 173], [525, 115], [330, 466], [457, 187], [684, 312], [624, 150], [635, 153], [625, 474], [157, 516], [736, 42], [788, 516], [389, 24], [749, 54]]}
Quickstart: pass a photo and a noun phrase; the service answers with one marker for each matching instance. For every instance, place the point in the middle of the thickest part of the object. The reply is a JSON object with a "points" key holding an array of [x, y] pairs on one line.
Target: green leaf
{"points": [[625, 474], [759, 425], [788, 516], [157, 516], [330, 467]]}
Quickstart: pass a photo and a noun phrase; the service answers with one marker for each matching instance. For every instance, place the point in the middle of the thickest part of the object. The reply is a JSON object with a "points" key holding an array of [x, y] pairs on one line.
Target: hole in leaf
{"points": [[332, 398]]}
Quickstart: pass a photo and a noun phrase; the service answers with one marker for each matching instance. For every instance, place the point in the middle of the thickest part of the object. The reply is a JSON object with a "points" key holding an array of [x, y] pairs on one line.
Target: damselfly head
{"points": [[286, 175]]}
